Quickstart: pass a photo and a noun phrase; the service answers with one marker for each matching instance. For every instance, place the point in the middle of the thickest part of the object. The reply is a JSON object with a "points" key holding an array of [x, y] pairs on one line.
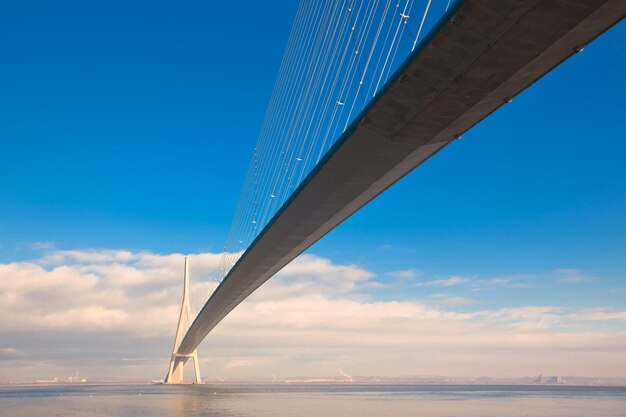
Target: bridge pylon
{"points": [[178, 361]]}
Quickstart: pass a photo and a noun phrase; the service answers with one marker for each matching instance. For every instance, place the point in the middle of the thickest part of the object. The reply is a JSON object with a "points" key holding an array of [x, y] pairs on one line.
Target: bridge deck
{"points": [[483, 53]]}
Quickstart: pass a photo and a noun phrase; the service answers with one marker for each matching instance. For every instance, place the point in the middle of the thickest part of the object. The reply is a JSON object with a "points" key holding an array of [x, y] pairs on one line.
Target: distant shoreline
{"points": [[307, 383]]}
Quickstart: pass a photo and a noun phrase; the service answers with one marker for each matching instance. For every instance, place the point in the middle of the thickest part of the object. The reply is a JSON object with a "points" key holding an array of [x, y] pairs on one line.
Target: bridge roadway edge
{"points": [[481, 54]]}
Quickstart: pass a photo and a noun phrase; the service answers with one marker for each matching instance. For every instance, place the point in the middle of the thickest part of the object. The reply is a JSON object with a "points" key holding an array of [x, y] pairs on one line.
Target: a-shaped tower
{"points": [[177, 363]]}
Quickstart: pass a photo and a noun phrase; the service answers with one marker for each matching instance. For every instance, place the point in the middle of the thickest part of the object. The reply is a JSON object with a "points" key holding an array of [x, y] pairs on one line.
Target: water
{"points": [[313, 401]]}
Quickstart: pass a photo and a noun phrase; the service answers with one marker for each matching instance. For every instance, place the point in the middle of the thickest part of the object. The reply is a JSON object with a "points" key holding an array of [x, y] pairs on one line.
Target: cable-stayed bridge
{"points": [[367, 91]]}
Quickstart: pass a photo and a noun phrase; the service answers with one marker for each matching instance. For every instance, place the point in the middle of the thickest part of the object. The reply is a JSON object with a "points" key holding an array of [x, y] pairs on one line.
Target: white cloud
{"points": [[448, 282], [42, 246], [406, 274], [11, 353], [89, 256], [456, 301], [113, 313], [599, 314], [515, 282], [574, 276], [317, 274]]}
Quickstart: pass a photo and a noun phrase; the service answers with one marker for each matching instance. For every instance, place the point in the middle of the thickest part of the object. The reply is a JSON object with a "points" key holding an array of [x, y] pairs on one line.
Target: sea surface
{"points": [[313, 401]]}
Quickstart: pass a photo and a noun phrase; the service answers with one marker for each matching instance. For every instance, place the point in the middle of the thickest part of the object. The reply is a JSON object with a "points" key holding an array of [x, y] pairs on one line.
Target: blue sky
{"points": [[127, 126], [130, 126]]}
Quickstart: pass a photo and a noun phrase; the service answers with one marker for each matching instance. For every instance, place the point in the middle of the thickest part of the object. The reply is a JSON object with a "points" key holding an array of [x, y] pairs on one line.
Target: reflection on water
{"points": [[313, 401]]}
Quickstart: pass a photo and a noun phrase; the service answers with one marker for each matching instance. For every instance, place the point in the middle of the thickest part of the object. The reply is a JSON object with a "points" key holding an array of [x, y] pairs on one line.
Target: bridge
{"points": [[477, 57]]}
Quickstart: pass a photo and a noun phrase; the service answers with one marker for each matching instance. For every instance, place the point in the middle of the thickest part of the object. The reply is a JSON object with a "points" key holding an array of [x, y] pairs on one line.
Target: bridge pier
{"points": [[175, 375], [177, 362]]}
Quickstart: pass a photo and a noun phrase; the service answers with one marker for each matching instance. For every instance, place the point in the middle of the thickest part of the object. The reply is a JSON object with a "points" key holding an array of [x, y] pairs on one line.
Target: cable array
{"points": [[338, 57]]}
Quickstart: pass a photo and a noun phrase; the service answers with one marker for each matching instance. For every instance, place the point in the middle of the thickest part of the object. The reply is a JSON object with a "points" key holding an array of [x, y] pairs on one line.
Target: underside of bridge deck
{"points": [[481, 55]]}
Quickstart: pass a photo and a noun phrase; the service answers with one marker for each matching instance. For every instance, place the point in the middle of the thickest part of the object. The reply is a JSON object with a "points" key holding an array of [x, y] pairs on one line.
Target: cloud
{"points": [[239, 362], [404, 275], [42, 245], [112, 313], [574, 276], [11, 353], [88, 256], [517, 281], [392, 248], [445, 300], [599, 314], [448, 282], [314, 275]]}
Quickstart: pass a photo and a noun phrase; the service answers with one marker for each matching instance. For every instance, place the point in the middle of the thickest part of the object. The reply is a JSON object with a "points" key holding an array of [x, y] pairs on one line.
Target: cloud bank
{"points": [[112, 314]]}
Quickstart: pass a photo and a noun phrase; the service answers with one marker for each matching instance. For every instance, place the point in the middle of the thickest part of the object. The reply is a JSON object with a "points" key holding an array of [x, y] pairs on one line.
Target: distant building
{"points": [[556, 380]]}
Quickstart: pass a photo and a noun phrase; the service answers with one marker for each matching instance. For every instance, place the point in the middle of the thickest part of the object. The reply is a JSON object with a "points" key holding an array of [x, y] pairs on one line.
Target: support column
{"points": [[177, 362]]}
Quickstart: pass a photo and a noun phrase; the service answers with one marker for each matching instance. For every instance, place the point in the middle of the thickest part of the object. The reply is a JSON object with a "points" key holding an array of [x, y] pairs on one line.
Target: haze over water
{"points": [[313, 401]]}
